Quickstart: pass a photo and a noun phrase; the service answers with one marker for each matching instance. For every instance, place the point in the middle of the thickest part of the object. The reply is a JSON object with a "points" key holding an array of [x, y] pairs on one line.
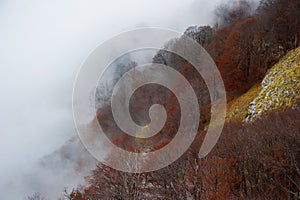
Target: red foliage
{"points": [[258, 160], [250, 161]]}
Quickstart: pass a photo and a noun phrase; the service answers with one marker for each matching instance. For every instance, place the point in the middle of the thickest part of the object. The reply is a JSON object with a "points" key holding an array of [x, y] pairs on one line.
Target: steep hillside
{"points": [[258, 160], [257, 154], [279, 89]]}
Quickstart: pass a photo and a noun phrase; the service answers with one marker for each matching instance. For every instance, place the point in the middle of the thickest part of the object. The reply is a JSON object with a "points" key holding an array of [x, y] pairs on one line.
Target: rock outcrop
{"points": [[280, 88]]}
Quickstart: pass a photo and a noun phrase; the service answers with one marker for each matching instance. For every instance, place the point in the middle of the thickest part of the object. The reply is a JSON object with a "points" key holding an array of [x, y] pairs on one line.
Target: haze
{"points": [[43, 44]]}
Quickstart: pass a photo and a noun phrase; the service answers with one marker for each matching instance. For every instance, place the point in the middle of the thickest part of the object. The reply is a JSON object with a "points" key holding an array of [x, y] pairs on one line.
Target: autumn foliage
{"points": [[255, 160], [246, 45], [258, 160]]}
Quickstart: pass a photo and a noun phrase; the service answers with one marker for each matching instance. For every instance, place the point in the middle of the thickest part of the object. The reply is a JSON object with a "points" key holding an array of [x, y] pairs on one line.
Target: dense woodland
{"points": [[253, 161], [257, 160]]}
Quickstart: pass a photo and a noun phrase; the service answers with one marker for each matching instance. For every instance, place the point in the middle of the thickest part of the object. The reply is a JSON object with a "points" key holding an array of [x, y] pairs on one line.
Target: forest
{"points": [[258, 153]]}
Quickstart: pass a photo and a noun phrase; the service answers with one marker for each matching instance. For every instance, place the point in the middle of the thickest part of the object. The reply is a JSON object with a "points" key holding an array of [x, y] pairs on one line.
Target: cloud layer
{"points": [[43, 44]]}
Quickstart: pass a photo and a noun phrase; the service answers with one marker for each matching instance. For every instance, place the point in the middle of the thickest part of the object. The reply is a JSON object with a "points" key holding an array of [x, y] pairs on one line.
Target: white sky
{"points": [[42, 45]]}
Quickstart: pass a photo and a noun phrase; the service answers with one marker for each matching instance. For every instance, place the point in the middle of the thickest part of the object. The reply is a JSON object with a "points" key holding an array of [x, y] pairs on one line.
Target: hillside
{"points": [[232, 170], [258, 153], [279, 89]]}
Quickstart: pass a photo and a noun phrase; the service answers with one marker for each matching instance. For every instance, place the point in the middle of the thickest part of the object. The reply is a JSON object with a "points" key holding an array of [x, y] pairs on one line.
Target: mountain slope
{"points": [[280, 89]]}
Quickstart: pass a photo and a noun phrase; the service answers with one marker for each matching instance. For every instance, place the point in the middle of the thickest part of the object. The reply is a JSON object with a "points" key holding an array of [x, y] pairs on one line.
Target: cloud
{"points": [[43, 44]]}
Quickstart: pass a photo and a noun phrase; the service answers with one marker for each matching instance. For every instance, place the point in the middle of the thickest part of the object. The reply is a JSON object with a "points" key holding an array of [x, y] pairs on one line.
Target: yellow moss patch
{"points": [[280, 87], [237, 109]]}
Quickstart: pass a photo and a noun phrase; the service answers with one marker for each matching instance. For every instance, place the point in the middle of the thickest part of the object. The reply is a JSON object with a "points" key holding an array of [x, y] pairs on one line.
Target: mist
{"points": [[43, 44]]}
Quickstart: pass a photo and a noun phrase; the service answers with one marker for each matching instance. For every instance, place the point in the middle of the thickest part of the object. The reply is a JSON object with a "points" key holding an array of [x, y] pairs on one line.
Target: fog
{"points": [[43, 44]]}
